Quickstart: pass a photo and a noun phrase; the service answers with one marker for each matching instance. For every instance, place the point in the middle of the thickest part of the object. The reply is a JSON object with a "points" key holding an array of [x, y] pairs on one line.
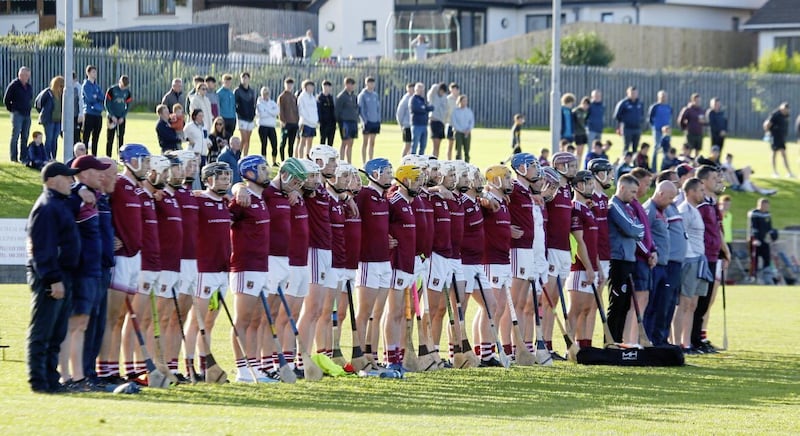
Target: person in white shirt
{"points": [[197, 135], [267, 111], [463, 121], [309, 118], [200, 101]]}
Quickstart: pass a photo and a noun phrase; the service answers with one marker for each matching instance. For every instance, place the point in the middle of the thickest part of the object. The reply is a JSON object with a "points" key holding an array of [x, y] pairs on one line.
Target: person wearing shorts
{"points": [[777, 130], [309, 118], [246, 99], [438, 100], [452, 99], [403, 117], [346, 108], [369, 109], [456, 208]]}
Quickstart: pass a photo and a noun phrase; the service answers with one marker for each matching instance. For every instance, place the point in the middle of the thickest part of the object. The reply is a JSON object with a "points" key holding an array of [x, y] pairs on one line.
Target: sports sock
{"points": [[401, 354], [253, 363], [300, 365], [391, 354], [173, 365], [452, 352], [140, 367], [703, 335], [485, 350], [202, 364], [189, 362], [507, 349], [265, 364], [329, 353], [113, 368], [476, 349], [240, 368], [274, 362], [130, 369], [289, 355], [549, 345], [584, 343], [102, 369]]}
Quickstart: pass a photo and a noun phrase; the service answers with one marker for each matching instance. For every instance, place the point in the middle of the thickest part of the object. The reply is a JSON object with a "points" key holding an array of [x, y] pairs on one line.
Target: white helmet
{"points": [[447, 167], [343, 167], [159, 164], [460, 166], [323, 153], [310, 166]]}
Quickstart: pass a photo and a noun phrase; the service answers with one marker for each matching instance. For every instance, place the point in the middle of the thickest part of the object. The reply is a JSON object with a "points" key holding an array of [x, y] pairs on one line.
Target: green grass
{"points": [[751, 389]]}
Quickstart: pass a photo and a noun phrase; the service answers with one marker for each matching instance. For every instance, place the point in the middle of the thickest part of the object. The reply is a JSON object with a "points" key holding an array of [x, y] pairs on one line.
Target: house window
{"points": [[541, 22], [607, 17], [735, 21], [156, 7], [91, 8], [792, 44], [369, 30], [17, 7]]}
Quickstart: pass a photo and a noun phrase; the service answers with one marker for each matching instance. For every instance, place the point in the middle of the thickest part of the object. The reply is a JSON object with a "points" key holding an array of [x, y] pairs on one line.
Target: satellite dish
{"points": [[627, 19]]}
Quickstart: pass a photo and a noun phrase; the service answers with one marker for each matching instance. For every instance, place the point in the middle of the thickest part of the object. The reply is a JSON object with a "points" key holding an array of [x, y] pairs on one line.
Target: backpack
{"points": [[38, 103]]}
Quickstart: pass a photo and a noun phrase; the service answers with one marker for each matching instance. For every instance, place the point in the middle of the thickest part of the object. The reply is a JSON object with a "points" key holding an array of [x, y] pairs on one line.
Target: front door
{"points": [[47, 14]]}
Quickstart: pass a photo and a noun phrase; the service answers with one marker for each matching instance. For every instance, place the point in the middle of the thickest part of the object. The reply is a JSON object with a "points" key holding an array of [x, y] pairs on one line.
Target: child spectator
{"points": [[641, 156], [671, 161], [625, 167], [596, 153], [177, 120], [579, 115], [516, 133], [544, 156], [37, 155], [569, 147], [664, 146], [567, 125]]}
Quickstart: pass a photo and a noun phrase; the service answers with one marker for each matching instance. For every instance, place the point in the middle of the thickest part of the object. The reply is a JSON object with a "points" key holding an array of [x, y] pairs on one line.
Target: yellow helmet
{"points": [[407, 172], [497, 171]]}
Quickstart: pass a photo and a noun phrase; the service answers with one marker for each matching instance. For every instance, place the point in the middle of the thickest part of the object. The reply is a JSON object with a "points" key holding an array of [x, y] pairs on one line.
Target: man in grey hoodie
{"points": [[369, 109], [437, 98]]}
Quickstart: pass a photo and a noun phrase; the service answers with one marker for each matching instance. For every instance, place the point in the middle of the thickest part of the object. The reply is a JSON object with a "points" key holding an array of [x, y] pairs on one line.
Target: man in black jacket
{"points": [[246, 98], [759, 222], [18, 99], [327, 114], [168, 139], [54, 251]]}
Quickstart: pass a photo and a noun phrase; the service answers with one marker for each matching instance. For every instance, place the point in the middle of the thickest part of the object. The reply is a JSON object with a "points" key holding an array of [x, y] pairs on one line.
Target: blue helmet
{"points": [[129, 152], [251, 163], [378, 164], [522, 159]]}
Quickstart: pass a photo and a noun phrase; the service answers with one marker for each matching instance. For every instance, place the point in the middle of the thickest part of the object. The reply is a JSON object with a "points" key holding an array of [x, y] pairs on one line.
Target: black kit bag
{"points": [[667, 355]]}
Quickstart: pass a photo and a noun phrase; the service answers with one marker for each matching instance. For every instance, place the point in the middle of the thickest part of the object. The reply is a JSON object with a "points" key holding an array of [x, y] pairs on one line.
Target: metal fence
{"points": [[496, 92]]}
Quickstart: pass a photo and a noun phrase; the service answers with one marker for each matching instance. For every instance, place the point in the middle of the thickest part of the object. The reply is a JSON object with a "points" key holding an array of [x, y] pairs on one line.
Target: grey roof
{"points": [[777, 14]]}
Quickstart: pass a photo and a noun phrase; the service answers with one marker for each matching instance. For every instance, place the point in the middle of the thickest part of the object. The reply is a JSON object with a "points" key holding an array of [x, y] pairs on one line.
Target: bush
{"points": [[576, 49], [778, 61], [47, 38]]}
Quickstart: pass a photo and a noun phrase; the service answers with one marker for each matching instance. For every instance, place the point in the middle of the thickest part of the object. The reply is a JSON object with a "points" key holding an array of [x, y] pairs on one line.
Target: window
{"points": [[17, 7], [792, 44], [541, 22], [735, 21], [156, 7], [91, 8], [369, 30], [607, 17]]}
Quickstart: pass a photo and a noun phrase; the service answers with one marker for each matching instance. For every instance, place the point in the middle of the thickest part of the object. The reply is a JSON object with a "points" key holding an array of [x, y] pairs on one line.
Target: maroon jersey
{"points": [[338, 217], [423, 209], [442, 233], [374, 209], [250, 235], [497, 234], [352, 237], [319, 221], [600, 211], [712, 218], [213, 234], [170, 230], [403, 228], [472, 244], [126, 215], [646, 246], [280, 225], [559, 213], [188, 203], [456, 226], [298, 249], [520, 205], [151, 251], [583, 220]]}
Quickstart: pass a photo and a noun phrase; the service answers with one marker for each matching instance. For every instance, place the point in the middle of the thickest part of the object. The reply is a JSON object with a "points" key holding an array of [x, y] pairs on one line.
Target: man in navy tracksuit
{"points": [[54, 247], [92, 104], [595, 116], [419, 109], [18, 99], [629, 114]]}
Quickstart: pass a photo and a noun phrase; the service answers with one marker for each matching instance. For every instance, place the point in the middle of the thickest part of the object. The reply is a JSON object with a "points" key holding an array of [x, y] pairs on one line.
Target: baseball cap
{"points": [[89, 162], [54, 169], [684, 169]]}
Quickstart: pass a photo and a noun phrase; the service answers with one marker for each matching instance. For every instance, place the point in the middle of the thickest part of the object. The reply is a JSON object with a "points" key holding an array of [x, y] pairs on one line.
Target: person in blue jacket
{"points": [[93, 100], [595, 116], [629, 114]]}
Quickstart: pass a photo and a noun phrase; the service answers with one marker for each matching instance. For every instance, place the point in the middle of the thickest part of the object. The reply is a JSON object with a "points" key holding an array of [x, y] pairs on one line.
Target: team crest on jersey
{"points": [[163, 289], [207, 290], [552, 268], [495, 279], [322, 276], [522, 271], [399, 282], [146, 286], [250, 284], [435, 282]]}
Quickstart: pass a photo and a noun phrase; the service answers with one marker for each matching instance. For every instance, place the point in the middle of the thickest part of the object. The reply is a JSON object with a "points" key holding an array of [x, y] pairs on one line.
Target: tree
{"points": [[576, 49], [48, 38], [778, 61]]}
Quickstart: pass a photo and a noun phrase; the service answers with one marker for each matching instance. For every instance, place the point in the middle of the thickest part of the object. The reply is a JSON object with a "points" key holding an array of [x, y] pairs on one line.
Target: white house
{"points": [[33, 16], [367, 28], [777, 24]]}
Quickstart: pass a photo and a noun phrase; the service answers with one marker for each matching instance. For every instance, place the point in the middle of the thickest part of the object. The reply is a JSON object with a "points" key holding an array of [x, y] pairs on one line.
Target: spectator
{"points": [[686, 154], [211, 84], [626, 166], [664, 145], [595, 116], [54, 252], [420, 47], [596, 153], [168, 138], [403, 117], [641, 160], [658, 313], [369, 109], [777, 128], [245, 98], [196, 80], [566, 146], [346, 108], [118, 101], [419, 109], [78, 150], [267, 111], [309, 118], [37, 153], [287, 105], [516, 133], [197, 135], [174, 95], [93, 99], [177, 120], [463, 122], [438, 101], [659, 115], [49, 100], [692, 120], [760, 232], [544, 155], [199, 101], [77, 101], [227, 103], [231, 155], [327, 114], [218, 139], [567, 127], [309, 45], [671, 160], [717, 122], [452, 98], [579, 115], [629, 114], [739, 179]]}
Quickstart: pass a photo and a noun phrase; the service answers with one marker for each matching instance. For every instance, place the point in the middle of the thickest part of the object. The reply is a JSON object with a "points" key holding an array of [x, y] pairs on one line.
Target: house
{"points": [[371, 28], [777, 24]]}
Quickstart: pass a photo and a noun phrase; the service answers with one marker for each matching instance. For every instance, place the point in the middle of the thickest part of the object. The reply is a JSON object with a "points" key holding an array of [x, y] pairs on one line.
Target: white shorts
{"points": [[188, 280], [474, 274], [499, 275], [298, 281], [560, 262], [421, 268], [167, 281], [278, 274], [346, 275], [246, 125], [375, 275], [208, 282], [401, 280], [523, 263], [440, 274], [125, 275], [249, 282], [456, 265], [321, 270], [605, 266], [148, 281], [577, 282]]}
